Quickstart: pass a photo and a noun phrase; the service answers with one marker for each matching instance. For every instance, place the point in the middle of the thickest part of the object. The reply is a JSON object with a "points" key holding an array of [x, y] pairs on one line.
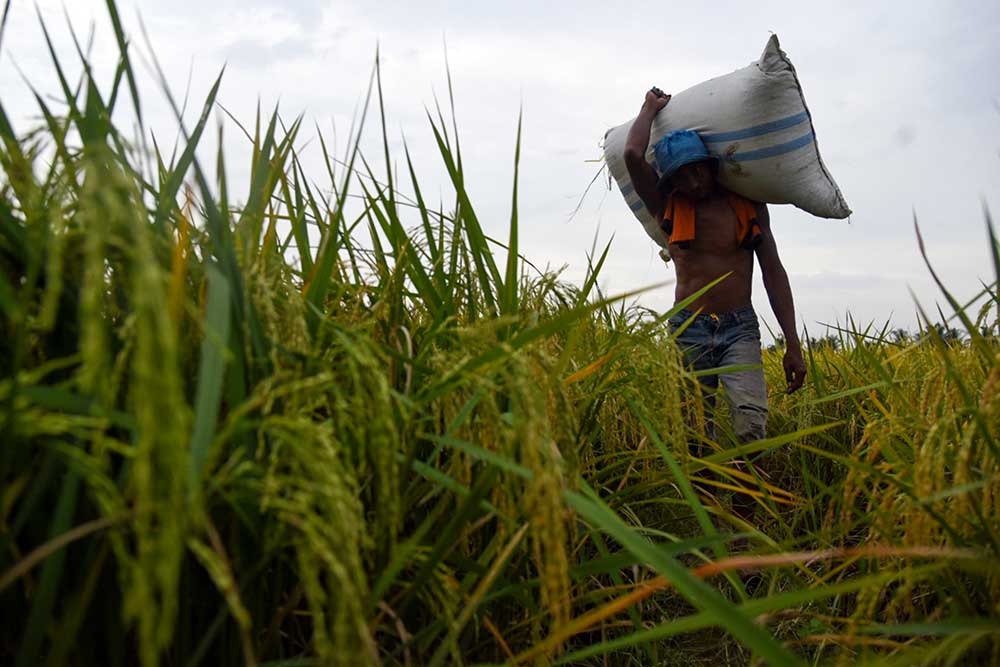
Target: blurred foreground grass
{"points": [[225, 444]]}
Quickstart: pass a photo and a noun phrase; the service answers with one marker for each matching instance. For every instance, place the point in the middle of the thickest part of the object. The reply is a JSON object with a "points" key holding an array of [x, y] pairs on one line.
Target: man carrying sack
{"points": [[713, 232]]}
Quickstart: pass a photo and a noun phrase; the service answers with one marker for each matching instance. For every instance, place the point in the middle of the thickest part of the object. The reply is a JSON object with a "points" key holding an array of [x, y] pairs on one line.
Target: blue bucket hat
{"points": [[675, 150]]}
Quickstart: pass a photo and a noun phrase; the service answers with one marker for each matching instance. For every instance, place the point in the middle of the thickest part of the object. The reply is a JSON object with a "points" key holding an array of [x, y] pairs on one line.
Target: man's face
{"points": [[694, 180]]}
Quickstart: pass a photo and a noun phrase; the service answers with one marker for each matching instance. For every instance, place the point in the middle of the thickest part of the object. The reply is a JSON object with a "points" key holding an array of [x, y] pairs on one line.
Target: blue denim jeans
{"points": [[728, 339]]}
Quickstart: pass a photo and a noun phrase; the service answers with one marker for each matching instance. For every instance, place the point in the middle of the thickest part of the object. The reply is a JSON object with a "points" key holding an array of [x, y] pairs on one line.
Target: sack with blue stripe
{"points": [[755, 120]]}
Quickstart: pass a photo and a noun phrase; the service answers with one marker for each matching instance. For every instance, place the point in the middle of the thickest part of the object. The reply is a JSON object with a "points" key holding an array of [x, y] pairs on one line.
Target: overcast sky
{"points": [[904, 98]]}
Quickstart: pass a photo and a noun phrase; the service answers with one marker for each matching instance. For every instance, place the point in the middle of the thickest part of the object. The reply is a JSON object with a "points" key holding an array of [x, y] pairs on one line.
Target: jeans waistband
{"points": [[738, 316]]}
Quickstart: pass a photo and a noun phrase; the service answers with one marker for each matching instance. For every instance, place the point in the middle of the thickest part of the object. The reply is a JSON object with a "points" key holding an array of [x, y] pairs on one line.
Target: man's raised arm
{"points": [[642, 173]]}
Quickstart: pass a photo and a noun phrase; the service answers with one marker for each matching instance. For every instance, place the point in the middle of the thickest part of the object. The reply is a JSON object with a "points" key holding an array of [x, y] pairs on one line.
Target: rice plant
{"points": [[302, 432]]}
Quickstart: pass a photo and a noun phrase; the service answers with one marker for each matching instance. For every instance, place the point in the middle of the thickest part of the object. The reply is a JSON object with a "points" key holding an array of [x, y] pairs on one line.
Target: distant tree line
{"points": [[840, 339]]}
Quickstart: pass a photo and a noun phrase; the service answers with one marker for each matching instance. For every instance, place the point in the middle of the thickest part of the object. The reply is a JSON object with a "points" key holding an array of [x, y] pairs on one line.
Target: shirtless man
{"points": [[725, 332]]}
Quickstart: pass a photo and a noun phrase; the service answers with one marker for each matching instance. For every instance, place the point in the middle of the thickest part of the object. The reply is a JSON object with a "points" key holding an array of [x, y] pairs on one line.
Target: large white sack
{"points": [[755, 120]]}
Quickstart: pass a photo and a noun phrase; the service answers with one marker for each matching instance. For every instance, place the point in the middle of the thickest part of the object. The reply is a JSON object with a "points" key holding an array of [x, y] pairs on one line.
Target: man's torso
{"points": [[712, 253]]}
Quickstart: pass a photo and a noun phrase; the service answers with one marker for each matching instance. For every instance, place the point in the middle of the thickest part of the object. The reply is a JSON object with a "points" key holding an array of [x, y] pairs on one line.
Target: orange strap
{"points": [[679, 219]]}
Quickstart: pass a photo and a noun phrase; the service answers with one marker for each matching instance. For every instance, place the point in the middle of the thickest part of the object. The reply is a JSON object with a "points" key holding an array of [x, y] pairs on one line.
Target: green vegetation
{"points": [[225, 444]]}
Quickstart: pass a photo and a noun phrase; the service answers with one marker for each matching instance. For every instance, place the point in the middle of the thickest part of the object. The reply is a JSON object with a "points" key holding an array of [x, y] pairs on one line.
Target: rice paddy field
{"points": [[322, 422]]}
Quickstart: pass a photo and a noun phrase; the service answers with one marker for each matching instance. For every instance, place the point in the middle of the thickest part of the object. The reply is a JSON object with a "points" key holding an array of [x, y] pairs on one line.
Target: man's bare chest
{"points": [[716, 227]]}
